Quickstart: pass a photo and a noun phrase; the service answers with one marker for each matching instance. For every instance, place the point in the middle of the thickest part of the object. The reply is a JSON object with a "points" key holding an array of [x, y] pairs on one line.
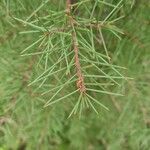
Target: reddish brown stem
{"points": [[80, 81]]}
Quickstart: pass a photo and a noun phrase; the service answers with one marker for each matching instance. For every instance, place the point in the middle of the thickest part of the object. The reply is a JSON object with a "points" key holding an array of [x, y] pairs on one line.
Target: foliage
{"points": [[78, 56]]}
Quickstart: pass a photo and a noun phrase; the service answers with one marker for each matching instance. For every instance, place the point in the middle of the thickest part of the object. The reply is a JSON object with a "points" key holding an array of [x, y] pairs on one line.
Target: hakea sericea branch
{"points": [[80, 81]]}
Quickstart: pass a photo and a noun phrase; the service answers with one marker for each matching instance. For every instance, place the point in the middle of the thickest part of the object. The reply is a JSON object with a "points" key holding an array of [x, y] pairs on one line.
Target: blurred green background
{"points": [[24, 124]]}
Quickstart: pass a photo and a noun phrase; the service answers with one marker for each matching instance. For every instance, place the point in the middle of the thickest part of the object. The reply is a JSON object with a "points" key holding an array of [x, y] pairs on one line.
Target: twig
{"points": [[80, 81]]}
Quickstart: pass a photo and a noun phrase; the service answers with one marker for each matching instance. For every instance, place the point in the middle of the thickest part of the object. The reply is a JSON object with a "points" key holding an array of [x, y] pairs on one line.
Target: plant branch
{"points": [[80, 81]]}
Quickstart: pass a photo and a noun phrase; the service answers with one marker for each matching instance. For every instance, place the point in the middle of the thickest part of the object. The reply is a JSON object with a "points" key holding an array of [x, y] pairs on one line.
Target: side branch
{"points": [[80, 81]]}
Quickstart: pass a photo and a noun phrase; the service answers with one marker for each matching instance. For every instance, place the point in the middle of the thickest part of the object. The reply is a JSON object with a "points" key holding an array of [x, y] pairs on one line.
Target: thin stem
{"points": [[80, 81]]}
